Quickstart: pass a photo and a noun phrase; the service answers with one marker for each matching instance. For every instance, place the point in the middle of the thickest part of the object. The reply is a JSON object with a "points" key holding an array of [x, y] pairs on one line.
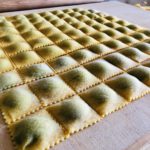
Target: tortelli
{"points": [[63, 70]]}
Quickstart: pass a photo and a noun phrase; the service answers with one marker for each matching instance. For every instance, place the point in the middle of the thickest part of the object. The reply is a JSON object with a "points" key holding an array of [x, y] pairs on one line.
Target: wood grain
{"points": [[9, 5]]}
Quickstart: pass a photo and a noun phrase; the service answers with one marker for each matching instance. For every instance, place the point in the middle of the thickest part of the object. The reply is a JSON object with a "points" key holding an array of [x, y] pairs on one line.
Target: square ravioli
{"points": [[65, 27], [143, 47], [37, 131], [25, 58], [103, 99], [69, 45], [73, 113], [17, 47], [9, 79], [66, 17], [50, 52], [146, 32], [112, 24], [32, 34], [8, 30], [78, 25], [100, 27], [122, 22], [57, 22], [128, 40], [82, 18], [142, 73], [87, 29], [135, 54], [74, 33], [139, 36], [134, 27], [100, 49], [5, 65], [25, 27], [111, 18], [35, 71], [40, 42], [63, 63], [91, 22], [100, 36], [101, 20], [58, 37], [115, 44], [83, 55], [128, 86], [124, 30], [120, 61], [10, 38], [102, 69], [49, 90], [49, 30], [79, 78], [16, 102], [42, 24], [70, 20], [87, 41], [112, 33]]}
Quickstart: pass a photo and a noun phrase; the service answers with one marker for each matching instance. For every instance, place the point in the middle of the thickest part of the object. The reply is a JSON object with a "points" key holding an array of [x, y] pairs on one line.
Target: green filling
{"points": [[143, 74], [69, 112], [31, 130]]}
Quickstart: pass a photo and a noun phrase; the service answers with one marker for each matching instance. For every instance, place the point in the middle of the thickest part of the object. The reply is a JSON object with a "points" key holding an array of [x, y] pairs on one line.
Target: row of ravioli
{"points": [[52, 124], [123, 59], [68, 44], [19, 100], [66, 24], [14, 43], [36, 38], [57, 20]]}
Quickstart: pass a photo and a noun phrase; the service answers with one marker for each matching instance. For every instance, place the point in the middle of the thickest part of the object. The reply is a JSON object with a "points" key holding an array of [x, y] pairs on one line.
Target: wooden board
{"points": [[128, 128], [9, 5]]}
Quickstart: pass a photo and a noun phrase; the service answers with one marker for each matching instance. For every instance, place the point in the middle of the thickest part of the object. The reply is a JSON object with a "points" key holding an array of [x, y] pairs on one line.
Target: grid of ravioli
{"points": [[63, 70]]}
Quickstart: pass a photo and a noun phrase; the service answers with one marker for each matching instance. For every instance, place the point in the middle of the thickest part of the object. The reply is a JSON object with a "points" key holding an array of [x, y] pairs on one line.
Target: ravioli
{"points": [[73, 114], [50, 89], [35, 71], [142, 73], [17, 102], [25, 58], [36, 131], [100, 49], [63, 63], [9, 79], [135, 54], [17, 47], [83, 55], [69, 45], [50, 52], [103, 99], [127, 86], [79, 78], [120, 61], [64, 70], [102, 69]]}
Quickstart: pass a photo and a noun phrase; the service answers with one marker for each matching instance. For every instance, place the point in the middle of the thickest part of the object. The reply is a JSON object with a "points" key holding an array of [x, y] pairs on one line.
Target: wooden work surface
{"points": [[127, 129]]}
